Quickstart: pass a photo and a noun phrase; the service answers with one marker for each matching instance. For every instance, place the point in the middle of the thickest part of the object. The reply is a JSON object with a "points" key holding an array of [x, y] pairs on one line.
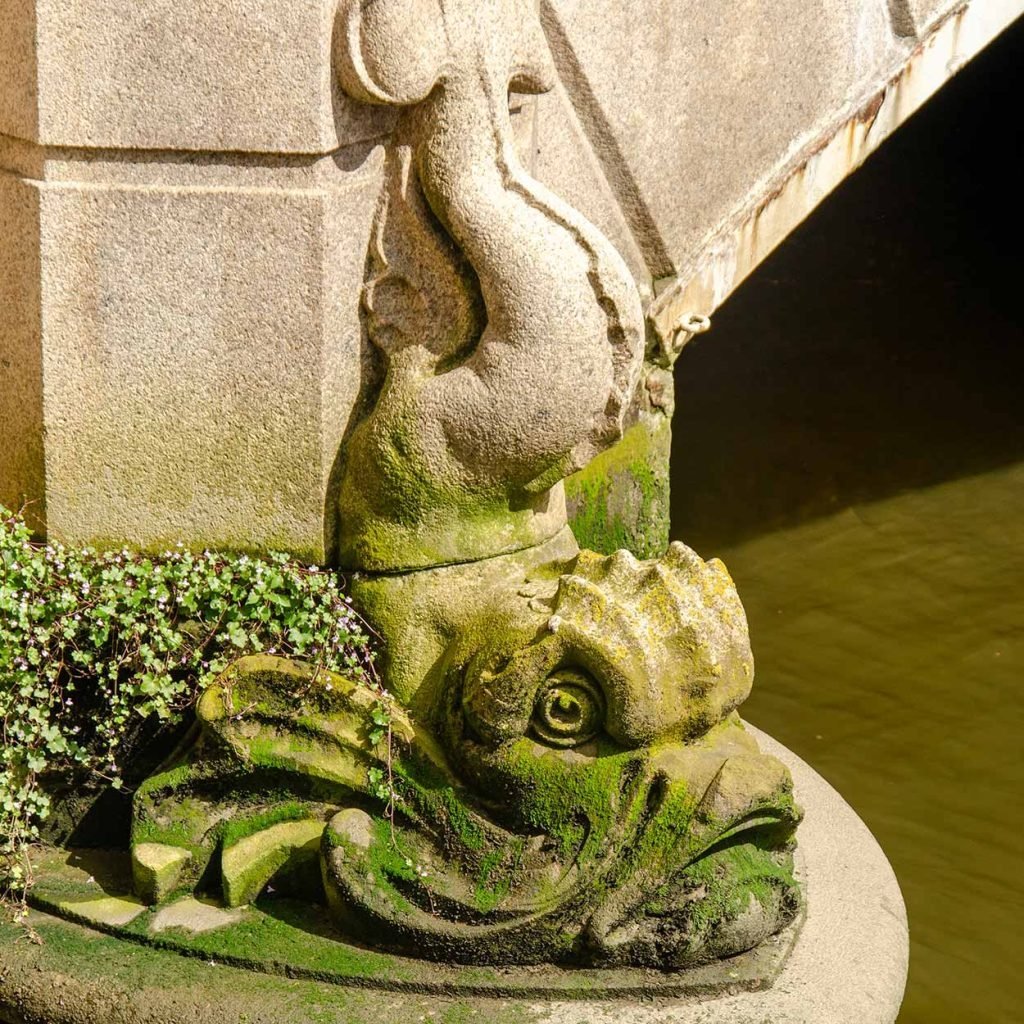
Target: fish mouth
{"points": [[742, 796], [731, 896], [766, 827], [725, 887]]}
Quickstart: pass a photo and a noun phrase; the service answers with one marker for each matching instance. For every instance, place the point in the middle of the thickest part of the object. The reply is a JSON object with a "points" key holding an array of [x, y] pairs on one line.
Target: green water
{"points": [[850, 439], [890, 656]]}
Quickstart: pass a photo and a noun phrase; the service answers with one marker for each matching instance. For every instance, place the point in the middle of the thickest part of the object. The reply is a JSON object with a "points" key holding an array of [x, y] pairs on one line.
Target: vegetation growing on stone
{"points": [[621, 498], [96, 647]]}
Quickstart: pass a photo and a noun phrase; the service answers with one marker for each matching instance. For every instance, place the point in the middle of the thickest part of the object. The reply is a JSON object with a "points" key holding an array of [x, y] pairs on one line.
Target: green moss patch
{"points": [[157, 869], [249, 864], [283, 936], [621, 498]]}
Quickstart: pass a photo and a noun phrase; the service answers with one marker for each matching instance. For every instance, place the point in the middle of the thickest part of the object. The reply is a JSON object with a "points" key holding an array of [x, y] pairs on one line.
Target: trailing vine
{"points": [[93, 645], [382, 780]]}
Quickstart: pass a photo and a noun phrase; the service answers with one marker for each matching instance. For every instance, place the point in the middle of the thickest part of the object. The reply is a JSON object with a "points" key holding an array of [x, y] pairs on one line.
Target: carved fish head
{"points": [[612, 734], [583, 790], [642, 651]]}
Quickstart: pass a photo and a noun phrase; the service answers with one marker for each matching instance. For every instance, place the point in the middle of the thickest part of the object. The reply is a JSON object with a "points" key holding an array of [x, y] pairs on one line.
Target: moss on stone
{"points": [[729, 880], [247, 825], [439, 801], [575, 802], [108, 910], [250, 863], [157, 869], [283, 935], [78, 974], [403, 508], [489, 893], [173, 778], [187, 829], [621, 498], [307, 755], [389, 858]]}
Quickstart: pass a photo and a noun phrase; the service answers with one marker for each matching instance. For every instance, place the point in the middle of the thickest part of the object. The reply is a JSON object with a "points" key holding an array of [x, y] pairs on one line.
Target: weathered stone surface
{"points": [[779, 201], [116, 911], [22, 466], [562, 156], [621, 499], [590, 702], [248, 865], [693, 139], [914, 17], [848, 965], [19, 110], [511, 330], [511, 336], [157, 869], [278, 934], [200, 359], [691, 106], [195, 916], [248, 76]]}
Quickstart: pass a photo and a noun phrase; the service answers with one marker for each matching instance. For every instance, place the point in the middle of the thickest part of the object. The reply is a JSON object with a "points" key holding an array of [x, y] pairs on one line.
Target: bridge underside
{"points": [[713, 133]]}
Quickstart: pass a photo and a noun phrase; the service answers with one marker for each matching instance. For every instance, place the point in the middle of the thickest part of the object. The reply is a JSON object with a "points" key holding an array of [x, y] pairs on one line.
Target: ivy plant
{"points": [[92, 644]]}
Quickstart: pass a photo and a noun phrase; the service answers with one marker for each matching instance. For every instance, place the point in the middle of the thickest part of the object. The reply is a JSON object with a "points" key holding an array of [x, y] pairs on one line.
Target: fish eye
{"points": [[569, 709]]}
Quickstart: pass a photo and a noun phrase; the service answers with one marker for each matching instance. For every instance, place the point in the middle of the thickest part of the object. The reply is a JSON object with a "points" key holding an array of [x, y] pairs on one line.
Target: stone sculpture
{"points": [[555, 771]]}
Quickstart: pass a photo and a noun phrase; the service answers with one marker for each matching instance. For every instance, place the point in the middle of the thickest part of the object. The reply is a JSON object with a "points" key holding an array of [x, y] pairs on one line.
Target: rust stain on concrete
{"points": [[756, 229]]}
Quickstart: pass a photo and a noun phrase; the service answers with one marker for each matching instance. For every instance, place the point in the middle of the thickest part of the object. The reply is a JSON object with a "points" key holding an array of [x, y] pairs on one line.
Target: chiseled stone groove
{"points": [[187, 168], [605, 146]]}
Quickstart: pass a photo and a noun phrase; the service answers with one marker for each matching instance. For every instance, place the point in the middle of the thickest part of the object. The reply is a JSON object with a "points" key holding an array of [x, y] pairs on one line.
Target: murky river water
{"points": [[850, 439], [890, 656]]}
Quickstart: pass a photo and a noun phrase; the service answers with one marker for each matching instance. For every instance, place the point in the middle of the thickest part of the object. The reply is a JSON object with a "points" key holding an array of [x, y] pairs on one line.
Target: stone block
{"points": [[22, 470], [252, 862], [240, 75], [157, 870], [200, 357], [18, 78]]}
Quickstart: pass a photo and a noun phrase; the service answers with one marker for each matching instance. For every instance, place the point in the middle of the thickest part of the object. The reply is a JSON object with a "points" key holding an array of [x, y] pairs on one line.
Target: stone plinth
{"points": [[184, 346], [185, 200]]}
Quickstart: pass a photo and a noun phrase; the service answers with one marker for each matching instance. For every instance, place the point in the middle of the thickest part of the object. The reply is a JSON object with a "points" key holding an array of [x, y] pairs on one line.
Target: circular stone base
{"points": [[846, 963]]}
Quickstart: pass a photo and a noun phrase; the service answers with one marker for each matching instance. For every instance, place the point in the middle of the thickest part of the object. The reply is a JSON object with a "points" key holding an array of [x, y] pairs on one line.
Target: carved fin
{"points": [[390, 51]]}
